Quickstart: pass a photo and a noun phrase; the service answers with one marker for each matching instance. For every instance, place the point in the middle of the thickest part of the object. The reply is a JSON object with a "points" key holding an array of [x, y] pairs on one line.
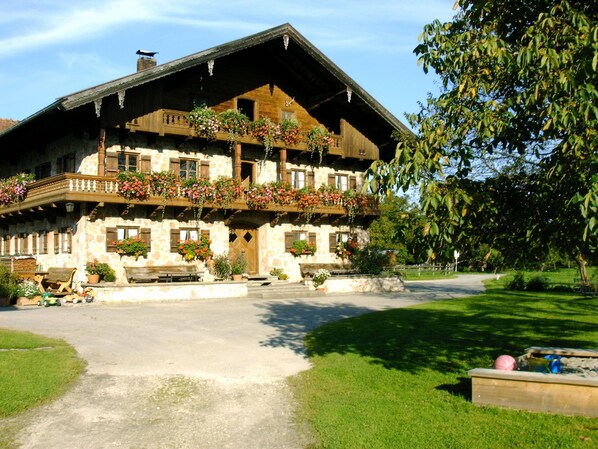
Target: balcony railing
{"points": [[72, 187], [170, 121]]}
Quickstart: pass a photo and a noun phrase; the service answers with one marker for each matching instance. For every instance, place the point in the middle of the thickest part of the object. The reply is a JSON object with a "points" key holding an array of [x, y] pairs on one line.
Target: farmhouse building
{"points": [[268, 186]]}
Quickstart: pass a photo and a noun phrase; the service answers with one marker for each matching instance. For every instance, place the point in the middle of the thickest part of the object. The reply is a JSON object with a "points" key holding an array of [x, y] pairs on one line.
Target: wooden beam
{"points": [[276, 218], [229, 219], [127, 209], [94, 211], [238, 161], [182, 213], [102, 153], [157, 209]]}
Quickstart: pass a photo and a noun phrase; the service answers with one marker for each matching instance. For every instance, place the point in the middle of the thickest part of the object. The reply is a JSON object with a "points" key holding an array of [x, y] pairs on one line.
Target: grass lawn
{"points": [[398, 379], [33, 370]]}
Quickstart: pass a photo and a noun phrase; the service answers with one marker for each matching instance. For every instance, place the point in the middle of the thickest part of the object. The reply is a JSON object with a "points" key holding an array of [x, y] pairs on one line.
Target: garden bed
{"points": [[574, 391]]}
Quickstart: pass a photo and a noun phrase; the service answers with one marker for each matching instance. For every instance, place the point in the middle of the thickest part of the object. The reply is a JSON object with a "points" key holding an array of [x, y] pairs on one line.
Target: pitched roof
{"points": [[337, 80]]}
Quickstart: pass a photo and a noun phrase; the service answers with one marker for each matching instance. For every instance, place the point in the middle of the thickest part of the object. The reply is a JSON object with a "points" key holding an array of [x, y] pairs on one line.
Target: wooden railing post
{"points": [[238, 161], [102, 153]]}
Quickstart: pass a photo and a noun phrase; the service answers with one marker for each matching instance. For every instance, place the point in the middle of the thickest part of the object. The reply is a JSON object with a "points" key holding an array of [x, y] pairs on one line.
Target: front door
{"points": [[243, 240]]}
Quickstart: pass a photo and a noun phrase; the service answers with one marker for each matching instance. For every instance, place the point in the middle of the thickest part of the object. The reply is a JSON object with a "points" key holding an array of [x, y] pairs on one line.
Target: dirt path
{"points": [[189, 374]]}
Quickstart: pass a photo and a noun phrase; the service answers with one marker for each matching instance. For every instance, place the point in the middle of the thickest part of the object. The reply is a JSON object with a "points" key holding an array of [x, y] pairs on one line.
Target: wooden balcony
{"points": [[171, 122], [48, 196]]}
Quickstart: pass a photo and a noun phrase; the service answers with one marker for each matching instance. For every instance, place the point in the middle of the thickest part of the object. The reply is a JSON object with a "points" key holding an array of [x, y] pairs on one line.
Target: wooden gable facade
{"points": [[74, 212]]}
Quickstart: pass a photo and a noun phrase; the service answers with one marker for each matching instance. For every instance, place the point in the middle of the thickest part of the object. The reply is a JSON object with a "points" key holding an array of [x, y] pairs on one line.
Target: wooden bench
{"points": [[58, 280], [335, 269], [163, 273]]}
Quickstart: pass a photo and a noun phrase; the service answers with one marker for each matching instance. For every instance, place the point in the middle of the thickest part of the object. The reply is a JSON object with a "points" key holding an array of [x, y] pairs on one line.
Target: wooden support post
{"points": [[102, 153], [238, 161], [283, 165]]}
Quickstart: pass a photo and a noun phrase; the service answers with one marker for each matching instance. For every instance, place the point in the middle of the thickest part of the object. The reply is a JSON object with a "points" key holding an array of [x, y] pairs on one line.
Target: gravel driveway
{"points": [[191, 374]]}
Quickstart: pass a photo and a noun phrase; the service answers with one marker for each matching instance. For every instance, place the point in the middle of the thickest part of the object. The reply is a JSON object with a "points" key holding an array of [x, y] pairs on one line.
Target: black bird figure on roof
{"points": [[149, 54]]}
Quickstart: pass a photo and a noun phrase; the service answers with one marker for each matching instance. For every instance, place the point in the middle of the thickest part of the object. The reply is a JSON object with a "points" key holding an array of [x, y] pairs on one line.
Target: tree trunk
{"points": [[582, 265]]}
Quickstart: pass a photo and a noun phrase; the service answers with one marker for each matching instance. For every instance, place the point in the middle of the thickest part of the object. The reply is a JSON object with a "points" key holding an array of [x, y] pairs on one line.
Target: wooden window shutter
{"points": [[332, 242], [34, 243], [146, 163], [145, 234], [331, 180], [352, 182], [287, 176], [175, 166], [311, 237], [56, 242], [111, 236], [174, 240], [289, 239], [204, 169], [59, 166], [68, 235], [311, 179], [111, 164]]}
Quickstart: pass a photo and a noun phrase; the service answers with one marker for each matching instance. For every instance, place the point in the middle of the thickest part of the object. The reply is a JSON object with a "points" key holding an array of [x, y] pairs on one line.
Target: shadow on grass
{"points": [[292, 321], [448, 336]]}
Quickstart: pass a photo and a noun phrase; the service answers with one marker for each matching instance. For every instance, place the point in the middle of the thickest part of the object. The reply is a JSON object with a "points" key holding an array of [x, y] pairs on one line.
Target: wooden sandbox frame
{"points": [[566, 394]]}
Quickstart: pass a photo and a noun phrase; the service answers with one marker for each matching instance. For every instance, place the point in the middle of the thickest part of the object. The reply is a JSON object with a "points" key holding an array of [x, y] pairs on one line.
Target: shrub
{"points": [[279, 273], [221, 266], [369, 260], [517, 283], [537, 284], [320, 277]]}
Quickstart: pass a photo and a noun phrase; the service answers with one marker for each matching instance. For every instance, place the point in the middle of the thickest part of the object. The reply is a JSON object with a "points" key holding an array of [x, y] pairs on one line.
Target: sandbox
{"points": [[572, 392]]}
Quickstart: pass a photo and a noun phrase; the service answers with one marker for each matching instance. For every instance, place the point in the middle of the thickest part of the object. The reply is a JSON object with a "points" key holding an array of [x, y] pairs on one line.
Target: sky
{"points": [[51, 48]]}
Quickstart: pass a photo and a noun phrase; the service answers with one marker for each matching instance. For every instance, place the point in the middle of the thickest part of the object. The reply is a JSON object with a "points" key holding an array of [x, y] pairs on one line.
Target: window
{"points": [[66, 164], [291, 237], [128, 162], [63, 241], [301, 178], [336, 238], [43, 170], [42, 242], [298, 179], [287, 115], [125, 232], [6, 245], [342, 181], [188, 169], [23, 244], [247, 107], [185, 234]]}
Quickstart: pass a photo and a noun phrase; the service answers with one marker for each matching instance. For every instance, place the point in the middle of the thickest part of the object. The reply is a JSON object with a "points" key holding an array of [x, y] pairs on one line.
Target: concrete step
{"points": [[281, 289]]}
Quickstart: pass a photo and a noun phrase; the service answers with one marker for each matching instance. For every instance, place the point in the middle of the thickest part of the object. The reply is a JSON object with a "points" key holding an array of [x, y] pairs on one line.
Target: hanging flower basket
{"points": [[354, 203], [330, 195], [14, 189], [290, 132], [226, 190], [259, 196], [205, 121], [132, 185], [266, 132], [235, 123], [319, 140], [283, 193], [307, 201]]}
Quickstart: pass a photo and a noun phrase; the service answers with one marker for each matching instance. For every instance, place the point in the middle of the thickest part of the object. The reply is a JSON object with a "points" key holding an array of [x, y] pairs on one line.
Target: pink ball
{"points": [[506, 363]]}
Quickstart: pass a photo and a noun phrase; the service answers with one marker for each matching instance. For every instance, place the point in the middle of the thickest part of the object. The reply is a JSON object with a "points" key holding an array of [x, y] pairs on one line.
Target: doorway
{"points": [[243, 239]]}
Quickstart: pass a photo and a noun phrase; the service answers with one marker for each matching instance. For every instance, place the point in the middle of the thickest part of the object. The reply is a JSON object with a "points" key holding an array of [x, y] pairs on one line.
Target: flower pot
{"points": [[237, 277], [93, 278]]}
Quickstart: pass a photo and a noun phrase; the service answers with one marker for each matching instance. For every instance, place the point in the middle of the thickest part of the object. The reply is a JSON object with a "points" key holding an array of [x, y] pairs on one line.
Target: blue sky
{"points": [[50, 48]]}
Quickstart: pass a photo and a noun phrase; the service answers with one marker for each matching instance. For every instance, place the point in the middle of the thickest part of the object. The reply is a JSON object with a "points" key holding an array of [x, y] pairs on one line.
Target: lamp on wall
{"points": [[70, 207]]}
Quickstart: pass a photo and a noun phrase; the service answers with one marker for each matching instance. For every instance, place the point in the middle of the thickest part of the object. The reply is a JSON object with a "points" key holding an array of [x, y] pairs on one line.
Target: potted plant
{"points": [[195, 249], [320, 277], [221, 266], [279, 273], [9, 287], [319, 139], [303, 248], [238, 266], [93, 271], [290, 132], [266, 132], [132, 246], [132, 185]]}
